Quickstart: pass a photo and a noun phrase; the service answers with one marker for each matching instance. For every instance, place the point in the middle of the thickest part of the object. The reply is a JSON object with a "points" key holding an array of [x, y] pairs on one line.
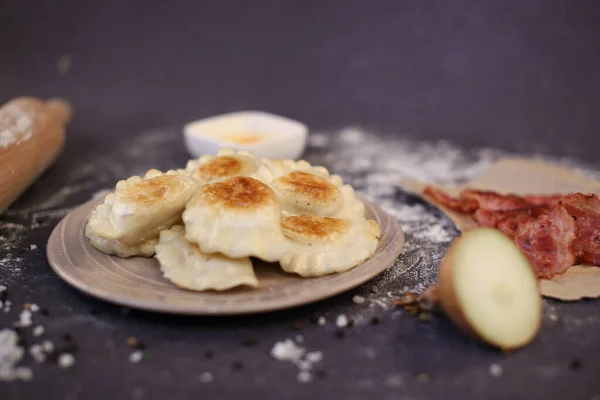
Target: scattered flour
{"points": [[38, 331], [66, 360], [394, 381], [496, 370], [206, 377], [24, 319], [435, 232], [318, 140], [10, 354], [37, 353], [289, 351], [136, 356], [48, 346], [341, 321]]}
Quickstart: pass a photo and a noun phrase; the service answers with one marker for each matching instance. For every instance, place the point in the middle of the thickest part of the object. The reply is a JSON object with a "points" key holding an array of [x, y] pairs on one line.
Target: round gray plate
{"points": [[137, 282]]}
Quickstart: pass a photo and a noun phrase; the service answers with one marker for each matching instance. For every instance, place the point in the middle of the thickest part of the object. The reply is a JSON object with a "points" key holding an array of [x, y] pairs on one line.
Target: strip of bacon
{"points": [[545, 200], [511, 223], [494, 201], [463, 206], [586, 211], [548, 242]]}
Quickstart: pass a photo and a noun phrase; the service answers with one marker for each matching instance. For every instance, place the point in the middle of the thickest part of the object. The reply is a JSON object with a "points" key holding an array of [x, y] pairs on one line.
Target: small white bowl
{"points": [[263, 134]]}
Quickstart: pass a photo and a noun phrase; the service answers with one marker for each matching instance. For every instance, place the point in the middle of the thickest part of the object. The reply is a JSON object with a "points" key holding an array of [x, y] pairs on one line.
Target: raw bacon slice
{"points": [[586, 211], [548, 242], [464, 206], [494, 201]]}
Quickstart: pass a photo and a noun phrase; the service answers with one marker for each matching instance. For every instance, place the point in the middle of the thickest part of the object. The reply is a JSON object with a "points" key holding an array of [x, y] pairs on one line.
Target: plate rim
{"points": [[395, 249]]}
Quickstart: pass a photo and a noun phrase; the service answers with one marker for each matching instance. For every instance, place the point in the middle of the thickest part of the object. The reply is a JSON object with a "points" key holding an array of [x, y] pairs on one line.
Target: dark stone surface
{"points": [[508, 74]]}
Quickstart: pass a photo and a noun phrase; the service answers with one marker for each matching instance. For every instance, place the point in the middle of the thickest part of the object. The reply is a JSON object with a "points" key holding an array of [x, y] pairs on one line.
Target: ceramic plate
{"points": [[138, 283]]}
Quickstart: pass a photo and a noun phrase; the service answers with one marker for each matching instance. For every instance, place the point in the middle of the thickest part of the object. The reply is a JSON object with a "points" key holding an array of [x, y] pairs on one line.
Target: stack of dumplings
{"points": [[205, 222]]}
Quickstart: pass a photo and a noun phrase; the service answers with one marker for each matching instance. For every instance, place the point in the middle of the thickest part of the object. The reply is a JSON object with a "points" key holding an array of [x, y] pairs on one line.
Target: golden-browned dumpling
{"points": [[304, 188], [239, 217], [302, 192], [272, 169], [327, 245], [226, 164], [127, 223], [184, 264]]}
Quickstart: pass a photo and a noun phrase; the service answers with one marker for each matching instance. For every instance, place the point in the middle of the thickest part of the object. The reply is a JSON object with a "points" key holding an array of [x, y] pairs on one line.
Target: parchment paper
{"points": [[521, 176]]}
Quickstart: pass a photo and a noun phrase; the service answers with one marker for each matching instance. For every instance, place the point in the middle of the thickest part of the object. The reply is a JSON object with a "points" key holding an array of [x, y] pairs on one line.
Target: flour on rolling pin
{"points": [[32, 134]]}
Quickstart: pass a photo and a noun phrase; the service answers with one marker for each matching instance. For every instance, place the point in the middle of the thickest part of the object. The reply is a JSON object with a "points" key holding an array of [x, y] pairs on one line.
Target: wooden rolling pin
{"points": [[32, 135]]}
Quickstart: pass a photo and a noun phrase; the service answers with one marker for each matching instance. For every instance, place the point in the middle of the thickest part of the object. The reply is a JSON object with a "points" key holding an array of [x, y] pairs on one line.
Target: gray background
{"points": [[518, 75]]}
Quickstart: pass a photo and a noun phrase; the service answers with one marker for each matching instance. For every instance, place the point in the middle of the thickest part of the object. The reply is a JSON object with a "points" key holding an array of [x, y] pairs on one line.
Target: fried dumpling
{"points": [[239, 217], [226, 164], [304, 188], [272, 169], [327, 245], [301, 192], [185, 265], [113, 246], [139, 208]]}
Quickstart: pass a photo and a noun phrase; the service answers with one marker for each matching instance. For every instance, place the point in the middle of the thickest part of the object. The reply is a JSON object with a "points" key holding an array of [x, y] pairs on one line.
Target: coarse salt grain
{"points": [[3, 288], [206, 377], [34, 307], [136, 356], [24, 319], [341, 321], [495, 370], [321, 321], [38, 331], [32, 247], [304, 377], [48, 346], [358, 299], [37, 353], [66, 360]]}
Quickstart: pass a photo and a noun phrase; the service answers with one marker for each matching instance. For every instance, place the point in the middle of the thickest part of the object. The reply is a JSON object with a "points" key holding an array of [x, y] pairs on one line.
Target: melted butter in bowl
{"points": [[265, 135], [242, 138]]}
